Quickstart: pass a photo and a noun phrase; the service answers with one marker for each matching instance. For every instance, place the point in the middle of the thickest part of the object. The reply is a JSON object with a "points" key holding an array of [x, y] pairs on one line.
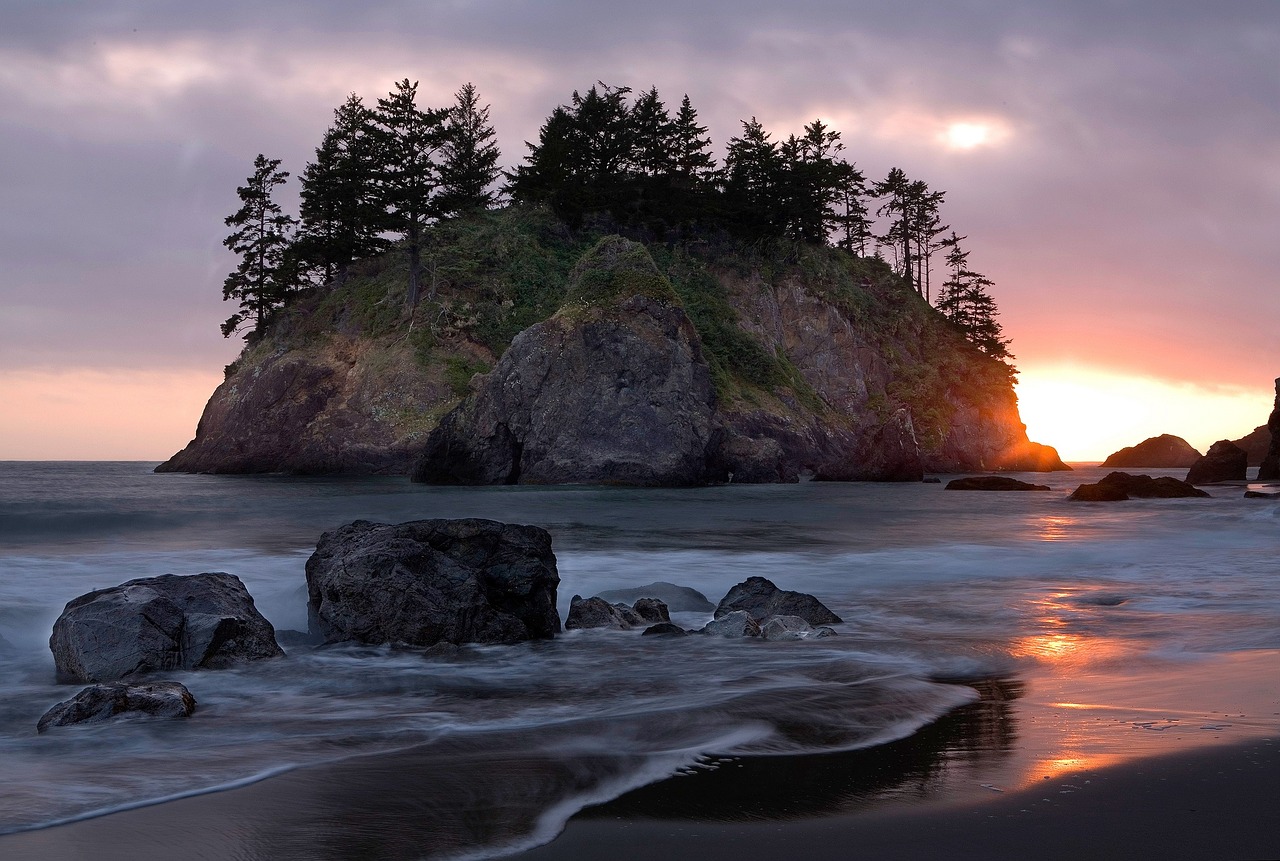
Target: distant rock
{"points": [[664, 629], [599, 613], [1119, 486], [1225, 461], [1158, 452], [428, 581], [736, 624], [679, 599], [1030, 457], [1269, 470], [761, 599], [1255, 443], [103, 702], [201, 621], [1257, 494], [992, 482]]}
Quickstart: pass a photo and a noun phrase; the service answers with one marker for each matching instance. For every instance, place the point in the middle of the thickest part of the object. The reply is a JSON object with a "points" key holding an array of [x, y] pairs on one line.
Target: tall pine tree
{"points": [[469, 156], [263, 232]]}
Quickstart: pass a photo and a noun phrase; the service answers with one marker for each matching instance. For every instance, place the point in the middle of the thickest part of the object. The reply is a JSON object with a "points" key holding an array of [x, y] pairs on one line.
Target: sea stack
{"points": [[1270, 468], [1158, 452]]}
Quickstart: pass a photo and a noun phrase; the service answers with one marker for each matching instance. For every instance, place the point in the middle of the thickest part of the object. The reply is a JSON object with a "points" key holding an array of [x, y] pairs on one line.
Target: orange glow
{"points": [[100, 415], [1088, 412]]}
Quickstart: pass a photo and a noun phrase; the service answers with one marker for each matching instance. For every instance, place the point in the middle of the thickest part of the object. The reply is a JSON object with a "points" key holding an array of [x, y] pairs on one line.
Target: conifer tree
{"points": [[897, 208], [693, 164], [652, 133], [966, 301], [469, 163], [261, 237], [753, 171]]}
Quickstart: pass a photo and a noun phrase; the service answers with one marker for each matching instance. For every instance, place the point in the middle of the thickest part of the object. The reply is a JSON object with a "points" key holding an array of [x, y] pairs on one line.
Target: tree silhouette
{"points": [[263, 232]]}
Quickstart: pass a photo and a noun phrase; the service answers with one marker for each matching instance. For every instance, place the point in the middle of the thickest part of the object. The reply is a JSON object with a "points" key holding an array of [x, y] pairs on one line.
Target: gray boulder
{"points": [[428, 581], [1225, 461], [599, 613], [679, 599], [782, 628], [732, 625], [201, 621], [103, 702], [762, 599]]}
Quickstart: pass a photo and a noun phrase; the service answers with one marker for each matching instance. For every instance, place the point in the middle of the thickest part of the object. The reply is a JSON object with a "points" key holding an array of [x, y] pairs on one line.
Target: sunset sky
{"points": [[1116, 167]]}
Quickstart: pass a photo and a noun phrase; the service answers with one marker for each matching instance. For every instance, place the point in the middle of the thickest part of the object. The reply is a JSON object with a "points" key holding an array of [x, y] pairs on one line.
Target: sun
{"points": [[967, 135]]}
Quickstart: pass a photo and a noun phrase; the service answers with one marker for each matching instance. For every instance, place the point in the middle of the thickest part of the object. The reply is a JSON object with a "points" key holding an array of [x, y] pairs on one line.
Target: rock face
{"points": [[202, 621], [760, 599], [992, 482], [1256, 444], [1158, 452], [1225, 461], [431, 581], [1269, 470], [1118, 486], [103, 702], [676, 598]]}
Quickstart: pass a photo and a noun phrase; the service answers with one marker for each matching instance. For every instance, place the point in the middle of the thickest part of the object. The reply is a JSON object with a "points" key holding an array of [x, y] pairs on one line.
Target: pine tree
{"points": [[469, 163], [694, 165], [262, 234], [854, 221], [898, 236], [965, 300], [753, 171], [652, 133]]}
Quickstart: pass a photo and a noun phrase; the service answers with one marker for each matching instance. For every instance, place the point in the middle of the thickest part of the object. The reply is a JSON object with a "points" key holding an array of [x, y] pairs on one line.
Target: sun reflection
{"points": [[1056, 527]]}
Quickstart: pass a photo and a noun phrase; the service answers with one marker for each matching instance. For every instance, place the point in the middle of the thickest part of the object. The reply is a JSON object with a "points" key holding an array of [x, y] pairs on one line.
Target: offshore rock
{"points": [[1158, 452], [992, 482], [1258, 494], [664, 629], [1099, 493], [1225, 461], [599, 613], [761, 599], [783, 628], [1256, 444], [103, 702], [677, 598], [733, 625], [651, 610], [1119, 486], [431, 581], [1269, 470], [201, 621]]}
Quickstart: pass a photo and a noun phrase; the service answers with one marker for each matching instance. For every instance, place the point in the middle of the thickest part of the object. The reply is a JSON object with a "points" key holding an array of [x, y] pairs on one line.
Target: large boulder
{"points": [[761, 599], [613, 389], [103, 702], [1269, 470], [1118, 486], [431, 581], [677, 598], [1225, 461], [201, 621], [1158, 452], [992, 482]]}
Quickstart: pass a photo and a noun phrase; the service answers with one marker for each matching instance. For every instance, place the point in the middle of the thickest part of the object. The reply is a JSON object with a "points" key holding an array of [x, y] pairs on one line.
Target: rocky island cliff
{"points": [[543, 355]]}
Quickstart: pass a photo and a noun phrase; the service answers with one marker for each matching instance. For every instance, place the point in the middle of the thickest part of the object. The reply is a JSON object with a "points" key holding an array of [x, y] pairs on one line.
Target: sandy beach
{"points": [[1184, 763]]}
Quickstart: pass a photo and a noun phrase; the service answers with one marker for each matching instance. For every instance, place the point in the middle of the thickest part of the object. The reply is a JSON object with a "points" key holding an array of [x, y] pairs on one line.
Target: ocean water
{"points": [[941, 593]]}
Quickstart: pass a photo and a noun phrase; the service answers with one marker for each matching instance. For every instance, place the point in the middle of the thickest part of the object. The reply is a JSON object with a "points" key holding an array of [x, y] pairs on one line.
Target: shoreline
{"points": [[1183, 762]]}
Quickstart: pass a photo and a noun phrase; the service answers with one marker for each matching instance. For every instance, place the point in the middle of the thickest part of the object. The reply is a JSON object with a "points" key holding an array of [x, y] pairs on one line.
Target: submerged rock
{"points": [[1225, 461], [664, 629], [761, 599], [738, 623], [992, 482], [1158, 452], [201, 621], [1257, 494], [427, 581], [103, 702], [679, 599]]}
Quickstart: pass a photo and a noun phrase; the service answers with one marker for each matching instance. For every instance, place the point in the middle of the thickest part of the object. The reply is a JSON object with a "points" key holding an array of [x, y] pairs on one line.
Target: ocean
{"points": [[943, 594]]}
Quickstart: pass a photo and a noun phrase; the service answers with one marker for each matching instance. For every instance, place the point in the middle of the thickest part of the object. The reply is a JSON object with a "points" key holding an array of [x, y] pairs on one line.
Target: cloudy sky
{"points": [[1115, 165]]}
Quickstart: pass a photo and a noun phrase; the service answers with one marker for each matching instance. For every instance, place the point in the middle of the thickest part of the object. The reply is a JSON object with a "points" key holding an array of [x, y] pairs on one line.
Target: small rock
{"points": [[599, 613], [780, 628], [651, 610], [736, 624], [823, 632], [1225, 461], [931, 480], [103, 702], [1257, 494], [679, 599], [664, 629], [762, 599], [992, 482]]}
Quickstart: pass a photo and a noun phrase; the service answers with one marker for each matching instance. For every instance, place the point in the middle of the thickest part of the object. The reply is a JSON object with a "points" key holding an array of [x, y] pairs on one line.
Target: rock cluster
{"points": [[1119, 486], [1225, 461], [103, 702], [1158, 452], [202, 621]]}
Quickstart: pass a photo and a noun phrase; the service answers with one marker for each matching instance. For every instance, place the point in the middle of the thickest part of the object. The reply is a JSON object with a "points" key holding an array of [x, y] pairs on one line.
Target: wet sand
{"points": [[1180, 762]]}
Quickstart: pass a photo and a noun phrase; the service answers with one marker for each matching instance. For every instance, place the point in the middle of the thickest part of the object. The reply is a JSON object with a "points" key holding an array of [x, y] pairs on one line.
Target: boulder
{"points": [[1026, 456], [651, 610], [103, 702], [732, 625], [1099, 493], [1269, 470], [761, 599], [201, 621], [1257, 494], [428, 581], [1225, 461], [1121, 485], [1158, 452], [664, 629], [782, 628], [992, 482], [599, 613], [679, 599], [613, 389]]}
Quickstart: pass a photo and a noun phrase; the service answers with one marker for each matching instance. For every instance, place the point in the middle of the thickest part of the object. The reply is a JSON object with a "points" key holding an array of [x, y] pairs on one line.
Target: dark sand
{"points": [[1180, 762]]}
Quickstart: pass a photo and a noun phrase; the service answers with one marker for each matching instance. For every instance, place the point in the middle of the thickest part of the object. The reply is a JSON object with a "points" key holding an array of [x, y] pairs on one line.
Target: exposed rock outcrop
{"points": [[992, 482], [760, 599], [1119, 486], [431, 581], [677, 598], [103, 702], [1269, 469], [1225, 461], [201, 621], [1158, 452]]}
